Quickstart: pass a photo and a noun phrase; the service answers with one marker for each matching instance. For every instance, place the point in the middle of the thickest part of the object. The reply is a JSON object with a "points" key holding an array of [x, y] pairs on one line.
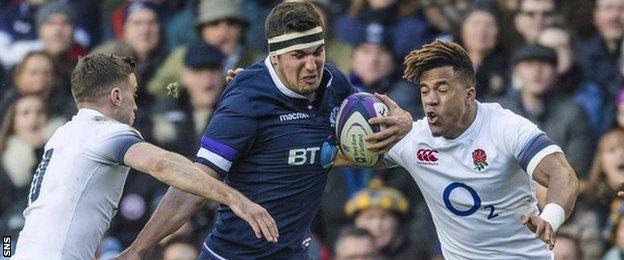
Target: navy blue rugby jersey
{"points": [[271, 144]]}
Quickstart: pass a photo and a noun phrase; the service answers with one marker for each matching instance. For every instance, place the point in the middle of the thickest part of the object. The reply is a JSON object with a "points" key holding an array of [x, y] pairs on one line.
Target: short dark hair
{"points": [[438, 54], [291, 17], [97, 73]]}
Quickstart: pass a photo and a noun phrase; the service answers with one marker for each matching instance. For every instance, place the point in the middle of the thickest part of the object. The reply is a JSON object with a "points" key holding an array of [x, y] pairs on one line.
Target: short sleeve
{"points": [[111, 147], [526, 142], [231, 131]]}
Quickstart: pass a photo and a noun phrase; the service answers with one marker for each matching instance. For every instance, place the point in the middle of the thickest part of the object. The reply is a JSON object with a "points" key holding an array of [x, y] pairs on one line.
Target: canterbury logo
{"points": [[427, 156]]}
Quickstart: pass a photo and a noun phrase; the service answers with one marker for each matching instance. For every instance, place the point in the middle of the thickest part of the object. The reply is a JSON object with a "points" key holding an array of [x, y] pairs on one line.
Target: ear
{"points": [[274, 60], [471, 94], [114, 96]]}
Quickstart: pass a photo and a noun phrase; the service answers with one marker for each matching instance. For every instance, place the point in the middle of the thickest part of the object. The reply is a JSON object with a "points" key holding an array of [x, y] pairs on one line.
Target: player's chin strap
{"points": [[296, 41], [554, 214]]}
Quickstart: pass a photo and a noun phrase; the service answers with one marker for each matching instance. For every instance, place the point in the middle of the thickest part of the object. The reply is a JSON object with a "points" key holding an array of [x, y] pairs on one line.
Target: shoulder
{"points": [[107, 128]]}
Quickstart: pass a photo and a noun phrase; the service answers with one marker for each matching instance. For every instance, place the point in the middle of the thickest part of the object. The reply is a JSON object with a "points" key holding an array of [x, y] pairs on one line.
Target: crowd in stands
{"points": [[558, 63]]}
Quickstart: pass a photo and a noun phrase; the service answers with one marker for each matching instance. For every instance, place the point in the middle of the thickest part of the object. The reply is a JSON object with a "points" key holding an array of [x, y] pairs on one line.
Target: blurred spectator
{"points": [[179, 123], [570, 80], [55, 25], [444, 17], [142, 31], [355, 244], [564, 121], [614, 231], [567, 248], [607, 171], [35, 75], [599, 56], [382, 211], [373, 70], [183, 19], [480, 37], [532, 17], [23, 133], [384, 20], [180, 250], [18, 34], [584, 225], [220, 23]]}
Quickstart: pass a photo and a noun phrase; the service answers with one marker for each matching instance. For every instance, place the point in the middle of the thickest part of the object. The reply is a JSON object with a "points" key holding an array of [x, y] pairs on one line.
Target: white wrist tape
{"points": [[554, 214]]}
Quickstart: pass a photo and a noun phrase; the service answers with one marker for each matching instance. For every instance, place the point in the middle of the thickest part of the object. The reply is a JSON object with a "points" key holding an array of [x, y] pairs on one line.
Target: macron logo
{"points": [[427, 157], [293, 116]]}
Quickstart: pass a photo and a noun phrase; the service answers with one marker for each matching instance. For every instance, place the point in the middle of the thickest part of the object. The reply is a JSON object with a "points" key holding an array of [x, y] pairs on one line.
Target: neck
{"points": [[465, 122], [108, 112], [532, 103]]}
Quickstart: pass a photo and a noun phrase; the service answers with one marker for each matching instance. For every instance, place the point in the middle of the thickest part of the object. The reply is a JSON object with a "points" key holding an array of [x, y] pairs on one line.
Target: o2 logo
{"points": [[476, 205]]}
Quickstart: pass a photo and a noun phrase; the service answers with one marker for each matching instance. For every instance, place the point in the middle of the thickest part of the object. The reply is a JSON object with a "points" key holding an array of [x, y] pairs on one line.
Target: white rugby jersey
{"points": [[76, 189], [476, 186]]}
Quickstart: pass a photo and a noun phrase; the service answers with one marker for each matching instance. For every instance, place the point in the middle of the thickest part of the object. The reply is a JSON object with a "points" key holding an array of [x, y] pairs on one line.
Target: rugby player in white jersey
{"points": [[77, 186], [475, 164]]}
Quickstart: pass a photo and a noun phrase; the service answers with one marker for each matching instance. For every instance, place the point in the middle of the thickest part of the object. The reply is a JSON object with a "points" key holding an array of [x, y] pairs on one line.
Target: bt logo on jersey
{"points": [[302, 156], [427, 157]]}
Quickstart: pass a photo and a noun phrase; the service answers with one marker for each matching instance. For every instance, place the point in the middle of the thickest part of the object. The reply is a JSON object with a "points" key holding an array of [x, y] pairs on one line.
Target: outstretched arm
{"points": [[555, 173], [177, 206]]}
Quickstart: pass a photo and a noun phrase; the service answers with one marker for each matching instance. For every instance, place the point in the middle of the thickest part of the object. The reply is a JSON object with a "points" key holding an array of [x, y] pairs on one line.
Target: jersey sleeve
{"points": [[526, 142], [231, 131], [111, 147], [393, 157]]}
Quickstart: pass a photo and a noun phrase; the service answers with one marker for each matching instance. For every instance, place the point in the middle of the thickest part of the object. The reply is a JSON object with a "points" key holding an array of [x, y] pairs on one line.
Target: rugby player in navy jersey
{"points": [[270, 138]]}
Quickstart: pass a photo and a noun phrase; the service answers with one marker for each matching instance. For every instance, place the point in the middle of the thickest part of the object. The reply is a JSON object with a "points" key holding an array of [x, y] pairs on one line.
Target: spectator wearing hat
{"points": [[179, 122], [18, 30], [383, 211], [563, 120], [480, 36], [55, 26], [220, 23], [390, 21]]}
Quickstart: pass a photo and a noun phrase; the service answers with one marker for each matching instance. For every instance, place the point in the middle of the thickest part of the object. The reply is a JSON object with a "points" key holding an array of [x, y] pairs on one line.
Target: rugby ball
{"points": [[352, 125]]}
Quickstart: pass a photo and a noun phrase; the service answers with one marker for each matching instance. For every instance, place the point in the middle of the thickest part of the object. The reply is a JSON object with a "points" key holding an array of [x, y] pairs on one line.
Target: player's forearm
{"points": [[563, 188], [179, 172], [172, 212]]}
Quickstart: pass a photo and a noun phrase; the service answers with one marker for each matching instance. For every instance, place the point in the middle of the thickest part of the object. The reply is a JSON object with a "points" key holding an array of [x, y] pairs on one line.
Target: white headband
{"points": [[296, 41]]}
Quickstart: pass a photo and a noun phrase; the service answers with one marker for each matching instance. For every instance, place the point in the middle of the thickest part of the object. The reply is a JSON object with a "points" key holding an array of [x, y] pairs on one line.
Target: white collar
{"points": [[88, 112], [278, 83]]}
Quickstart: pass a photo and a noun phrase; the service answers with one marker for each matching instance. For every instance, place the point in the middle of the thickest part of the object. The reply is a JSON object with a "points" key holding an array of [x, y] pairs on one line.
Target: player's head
{"points": [[295, 34], [446, 78], [107, 83]]}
